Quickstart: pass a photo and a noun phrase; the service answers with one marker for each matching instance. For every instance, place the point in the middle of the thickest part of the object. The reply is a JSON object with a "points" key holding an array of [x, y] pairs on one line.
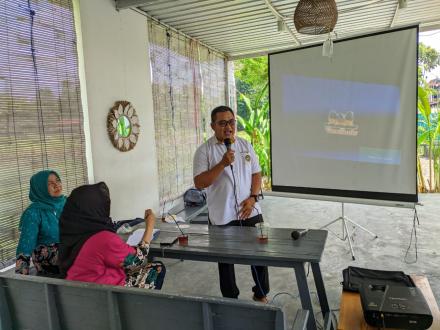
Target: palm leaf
{"points": [[422, 138], [260, 95], [247, 102], [423, 104]]}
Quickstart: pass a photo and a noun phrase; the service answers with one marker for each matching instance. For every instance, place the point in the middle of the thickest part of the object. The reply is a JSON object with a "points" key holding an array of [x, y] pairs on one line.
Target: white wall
{"points": [[116, 65]]}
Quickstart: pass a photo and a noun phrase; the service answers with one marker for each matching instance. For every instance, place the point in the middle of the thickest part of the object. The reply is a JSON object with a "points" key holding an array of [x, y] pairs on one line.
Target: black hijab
{"points": [[87, 212]]}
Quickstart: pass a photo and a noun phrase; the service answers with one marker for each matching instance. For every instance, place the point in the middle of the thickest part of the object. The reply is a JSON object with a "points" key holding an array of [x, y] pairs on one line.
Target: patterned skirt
{"points": [[150, 276], [44, 258]]}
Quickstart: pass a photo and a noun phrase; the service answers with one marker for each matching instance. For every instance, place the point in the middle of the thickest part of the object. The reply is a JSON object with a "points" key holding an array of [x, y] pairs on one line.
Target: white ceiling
{"points": [[242, 28]]}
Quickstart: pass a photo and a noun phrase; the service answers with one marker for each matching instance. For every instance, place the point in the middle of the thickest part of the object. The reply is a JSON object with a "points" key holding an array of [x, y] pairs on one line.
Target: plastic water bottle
{"points": [[125, 229]]}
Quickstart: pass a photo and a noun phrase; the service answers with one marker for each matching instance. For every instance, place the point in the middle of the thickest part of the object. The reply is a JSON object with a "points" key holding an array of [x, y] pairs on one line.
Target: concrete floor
{"points": [[392, 225]]}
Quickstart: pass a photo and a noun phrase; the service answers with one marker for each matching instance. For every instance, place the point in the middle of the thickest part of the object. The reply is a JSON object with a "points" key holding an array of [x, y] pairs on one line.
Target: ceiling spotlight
{"points": [[403, 4]]}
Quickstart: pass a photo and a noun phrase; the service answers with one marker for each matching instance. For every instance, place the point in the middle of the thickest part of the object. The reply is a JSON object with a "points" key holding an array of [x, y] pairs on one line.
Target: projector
{"points": [[399, 307]]}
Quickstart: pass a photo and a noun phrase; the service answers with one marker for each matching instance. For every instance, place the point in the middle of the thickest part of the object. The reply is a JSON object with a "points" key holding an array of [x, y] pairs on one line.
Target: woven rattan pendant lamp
{"points": [[315, 16]]}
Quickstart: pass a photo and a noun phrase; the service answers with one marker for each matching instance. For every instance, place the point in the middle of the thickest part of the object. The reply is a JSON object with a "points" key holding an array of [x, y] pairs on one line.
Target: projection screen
{"points": [[347, 126]]}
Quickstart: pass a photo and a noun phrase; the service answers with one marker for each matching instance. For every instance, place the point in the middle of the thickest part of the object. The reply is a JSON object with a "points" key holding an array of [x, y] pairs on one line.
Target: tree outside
{"points": [[428, 133], [251, 77]]}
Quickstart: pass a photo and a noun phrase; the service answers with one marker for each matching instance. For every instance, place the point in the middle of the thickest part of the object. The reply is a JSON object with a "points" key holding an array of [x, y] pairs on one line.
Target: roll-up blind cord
{"points": [[37, 89]]}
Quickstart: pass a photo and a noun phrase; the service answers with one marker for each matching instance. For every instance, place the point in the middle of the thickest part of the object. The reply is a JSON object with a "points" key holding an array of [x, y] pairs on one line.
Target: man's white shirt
{"points": [[222, 204]]}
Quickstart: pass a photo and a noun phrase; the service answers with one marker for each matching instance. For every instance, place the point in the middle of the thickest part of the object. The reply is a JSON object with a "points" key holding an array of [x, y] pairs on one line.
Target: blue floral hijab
{"points": [[39, 195]]}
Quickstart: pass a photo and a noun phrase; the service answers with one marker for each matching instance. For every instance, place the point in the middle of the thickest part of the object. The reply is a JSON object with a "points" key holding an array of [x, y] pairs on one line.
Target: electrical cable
{"points": [[241, 225], [413, 230], [172, 105], [281, 293], [315, 294], [383, 321], [333, 315], [235, 195]]}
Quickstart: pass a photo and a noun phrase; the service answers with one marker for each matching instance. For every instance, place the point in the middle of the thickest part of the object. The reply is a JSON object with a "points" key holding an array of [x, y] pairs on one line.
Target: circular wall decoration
{"points": [[123, 126]]}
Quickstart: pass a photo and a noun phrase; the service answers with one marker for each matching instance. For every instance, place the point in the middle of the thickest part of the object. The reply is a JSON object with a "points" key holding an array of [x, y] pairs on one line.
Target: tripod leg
{"points": [[361, 227], [349, 238], [330, 223], [343, 230]]}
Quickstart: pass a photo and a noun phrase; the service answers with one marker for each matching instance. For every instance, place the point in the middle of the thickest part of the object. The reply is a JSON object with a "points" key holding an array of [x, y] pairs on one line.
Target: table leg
{"points": [[320, 288], [304, 294]]}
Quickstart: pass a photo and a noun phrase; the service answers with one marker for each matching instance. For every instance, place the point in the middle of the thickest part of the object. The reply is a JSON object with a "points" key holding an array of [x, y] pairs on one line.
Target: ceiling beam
{"points": [[429, 26], [178, 31], [282, 18], [124, 4]]}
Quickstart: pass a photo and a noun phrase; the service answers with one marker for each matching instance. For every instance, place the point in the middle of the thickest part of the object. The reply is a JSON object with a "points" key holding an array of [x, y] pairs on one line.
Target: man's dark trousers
{"points": [[260, 274]]}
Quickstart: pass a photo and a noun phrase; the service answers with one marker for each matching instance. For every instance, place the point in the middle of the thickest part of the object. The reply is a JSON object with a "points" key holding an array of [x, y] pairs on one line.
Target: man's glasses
{"points": [[223, 123]]}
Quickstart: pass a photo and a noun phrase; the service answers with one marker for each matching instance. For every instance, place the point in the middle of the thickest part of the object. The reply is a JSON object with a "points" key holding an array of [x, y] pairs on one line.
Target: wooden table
{"points": [[239, 245], [351, 316]]}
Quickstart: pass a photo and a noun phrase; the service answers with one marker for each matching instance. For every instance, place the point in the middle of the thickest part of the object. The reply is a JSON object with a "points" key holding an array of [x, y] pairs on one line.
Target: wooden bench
{"points": [[40, 303], [351, 316]]}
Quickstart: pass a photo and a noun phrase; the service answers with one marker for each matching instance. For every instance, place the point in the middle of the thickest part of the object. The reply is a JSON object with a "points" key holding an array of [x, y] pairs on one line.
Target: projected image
{"points": [[379, 156], [363, 155], [306, 95], [341, 119], [341, 124]]}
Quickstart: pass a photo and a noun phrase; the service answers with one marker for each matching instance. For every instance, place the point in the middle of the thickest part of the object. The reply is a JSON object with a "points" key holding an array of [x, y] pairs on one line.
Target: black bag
{"points": [[354, 278], [194, 197], [131, 222]]}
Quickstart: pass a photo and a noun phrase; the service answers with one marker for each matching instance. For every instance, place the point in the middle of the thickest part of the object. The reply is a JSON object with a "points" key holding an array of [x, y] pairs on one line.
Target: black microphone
{"points": [[299, 233], [228, 143]]}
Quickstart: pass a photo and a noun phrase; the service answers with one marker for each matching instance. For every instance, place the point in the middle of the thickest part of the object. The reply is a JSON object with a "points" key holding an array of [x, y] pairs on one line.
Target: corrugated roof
{"points": [[246, 27]]}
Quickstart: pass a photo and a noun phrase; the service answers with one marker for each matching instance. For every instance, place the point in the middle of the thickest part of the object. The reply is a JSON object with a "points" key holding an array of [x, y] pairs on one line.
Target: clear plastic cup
{"points": [[262, 232], [125, 229]]}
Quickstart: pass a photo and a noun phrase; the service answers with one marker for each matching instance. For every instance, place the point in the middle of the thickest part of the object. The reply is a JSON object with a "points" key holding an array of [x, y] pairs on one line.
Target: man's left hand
{"points": [[246, 208]]}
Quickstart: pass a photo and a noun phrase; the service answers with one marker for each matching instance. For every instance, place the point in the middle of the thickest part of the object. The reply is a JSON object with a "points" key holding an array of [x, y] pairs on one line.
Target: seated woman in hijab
{"points": [[91, 251], [39, 235]]}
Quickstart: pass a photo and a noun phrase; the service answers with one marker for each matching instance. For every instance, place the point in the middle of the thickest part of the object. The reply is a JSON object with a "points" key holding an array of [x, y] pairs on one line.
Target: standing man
{"points": [[232, 176]]}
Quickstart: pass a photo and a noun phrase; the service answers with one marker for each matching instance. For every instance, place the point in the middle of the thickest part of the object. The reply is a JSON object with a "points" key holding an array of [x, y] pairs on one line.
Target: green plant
{"points": [[428, 133], [251, 75], [428, 127], [429, 59], [256, 127]]}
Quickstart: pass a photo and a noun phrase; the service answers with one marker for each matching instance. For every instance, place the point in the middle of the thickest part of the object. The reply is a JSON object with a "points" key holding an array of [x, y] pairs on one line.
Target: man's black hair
{"points": [[221, 108]]}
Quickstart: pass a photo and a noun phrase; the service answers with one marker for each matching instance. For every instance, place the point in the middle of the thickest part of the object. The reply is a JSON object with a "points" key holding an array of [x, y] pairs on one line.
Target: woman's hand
{"points": [[150, 219], [149, 216]]}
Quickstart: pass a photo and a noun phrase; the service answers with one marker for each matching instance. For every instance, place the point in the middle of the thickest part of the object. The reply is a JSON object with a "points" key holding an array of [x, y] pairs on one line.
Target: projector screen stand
{"points": [[346, 234]]}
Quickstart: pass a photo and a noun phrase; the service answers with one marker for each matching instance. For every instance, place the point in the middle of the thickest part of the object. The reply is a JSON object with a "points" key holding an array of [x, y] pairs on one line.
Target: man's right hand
{"points": [[207, 178], [228, 158]]}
